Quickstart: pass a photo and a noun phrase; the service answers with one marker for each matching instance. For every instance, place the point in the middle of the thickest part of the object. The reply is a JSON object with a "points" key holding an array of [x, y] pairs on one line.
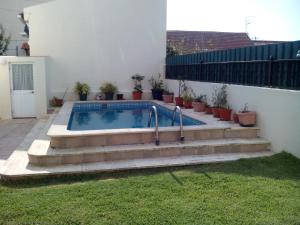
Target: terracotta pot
{"points": [[208, 110], [136, 95], [225, 114], [215, 111], [247, 119], [187, 104], [179, 101], [235, 118], [59, 102], [199, 106], [168, 98]]}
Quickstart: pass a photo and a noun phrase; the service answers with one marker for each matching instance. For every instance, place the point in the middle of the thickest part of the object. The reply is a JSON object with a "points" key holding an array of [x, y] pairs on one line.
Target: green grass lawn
{"points": [[256, 191]]}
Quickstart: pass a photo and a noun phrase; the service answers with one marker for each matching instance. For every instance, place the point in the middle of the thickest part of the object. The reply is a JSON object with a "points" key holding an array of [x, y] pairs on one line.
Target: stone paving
{"points": [[12, 134]]}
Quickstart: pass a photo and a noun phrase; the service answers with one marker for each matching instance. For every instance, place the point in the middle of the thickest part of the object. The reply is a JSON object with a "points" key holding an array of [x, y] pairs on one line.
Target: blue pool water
{"points": [[98, 116]]}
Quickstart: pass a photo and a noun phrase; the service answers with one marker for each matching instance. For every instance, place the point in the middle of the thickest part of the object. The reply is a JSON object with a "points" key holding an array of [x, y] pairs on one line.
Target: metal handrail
{"points": [[153, 108], [180, 120]]}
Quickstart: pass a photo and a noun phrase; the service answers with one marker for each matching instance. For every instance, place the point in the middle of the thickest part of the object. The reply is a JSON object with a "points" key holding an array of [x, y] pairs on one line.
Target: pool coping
{"points": [[60, 123]]}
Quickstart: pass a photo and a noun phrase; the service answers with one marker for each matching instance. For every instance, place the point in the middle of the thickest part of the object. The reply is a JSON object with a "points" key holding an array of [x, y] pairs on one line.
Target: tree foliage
{"points": [[4, 40], [171, 51]]}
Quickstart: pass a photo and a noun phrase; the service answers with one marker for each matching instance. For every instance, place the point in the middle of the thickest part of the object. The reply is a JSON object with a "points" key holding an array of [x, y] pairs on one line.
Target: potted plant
{"points": [[247, 118], [120, 96], [199, 103], [208, 109], [216, 102], [224, 109], [235, 118], [108, 89], [181, 88], [56, 102], [187, 97], [157, 87], [25, 46], [82, 89], [138, 90], [168, 96]]}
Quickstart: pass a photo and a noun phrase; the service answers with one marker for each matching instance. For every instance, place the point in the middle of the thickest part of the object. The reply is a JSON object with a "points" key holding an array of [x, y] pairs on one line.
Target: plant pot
{"points": [[208, 110], [120, 97], [247, 119], [136, 95], [215, 112], [187, 104], [59, 102], [168, 98], [225, 114], [235, 118], [157, 94], [198, 106], [82, 97], [109, 96], [179, 101]]}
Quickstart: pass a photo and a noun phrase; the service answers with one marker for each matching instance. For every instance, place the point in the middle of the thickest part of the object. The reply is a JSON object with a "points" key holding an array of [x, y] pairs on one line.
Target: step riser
{"points": [[142, 154], [146, 137]]}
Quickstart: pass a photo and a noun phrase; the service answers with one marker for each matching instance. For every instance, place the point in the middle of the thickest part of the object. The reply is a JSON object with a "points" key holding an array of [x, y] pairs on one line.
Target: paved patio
{"points": [[12, 133]]}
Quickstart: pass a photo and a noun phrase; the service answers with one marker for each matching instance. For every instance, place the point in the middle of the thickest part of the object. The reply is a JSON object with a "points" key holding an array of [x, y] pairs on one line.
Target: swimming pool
{"points": [[118, 115]]}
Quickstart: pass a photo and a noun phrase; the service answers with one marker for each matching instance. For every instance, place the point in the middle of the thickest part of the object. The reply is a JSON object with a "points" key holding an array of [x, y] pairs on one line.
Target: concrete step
{"points": [[23, 171], [145, 136], [41, 154]]}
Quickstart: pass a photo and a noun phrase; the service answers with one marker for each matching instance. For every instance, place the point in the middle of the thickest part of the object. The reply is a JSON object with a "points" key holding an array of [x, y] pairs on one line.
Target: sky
{"points": [[267, 19]]}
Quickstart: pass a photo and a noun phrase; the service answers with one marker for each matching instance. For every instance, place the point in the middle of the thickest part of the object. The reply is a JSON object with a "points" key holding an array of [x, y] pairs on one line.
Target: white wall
{"points": [[9, 9], [39, 78], [99, 40], [278, 110]]}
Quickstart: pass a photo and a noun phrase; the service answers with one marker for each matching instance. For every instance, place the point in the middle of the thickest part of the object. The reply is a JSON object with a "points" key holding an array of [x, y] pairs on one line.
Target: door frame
{"points": [[11, 86]]}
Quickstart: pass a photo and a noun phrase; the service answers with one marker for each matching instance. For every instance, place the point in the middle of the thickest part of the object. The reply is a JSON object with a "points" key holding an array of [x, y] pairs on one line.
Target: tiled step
{"points": [[145, 136], [40, 154], [29, 171]]}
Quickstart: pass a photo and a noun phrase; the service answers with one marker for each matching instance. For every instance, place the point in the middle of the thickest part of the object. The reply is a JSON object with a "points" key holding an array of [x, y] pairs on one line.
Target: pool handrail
{"points": [[153, 109], [180, 120]]}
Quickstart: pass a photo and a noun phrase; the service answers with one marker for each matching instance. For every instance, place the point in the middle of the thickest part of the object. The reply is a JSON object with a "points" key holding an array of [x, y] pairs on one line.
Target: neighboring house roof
{"points": [[187, 42]]}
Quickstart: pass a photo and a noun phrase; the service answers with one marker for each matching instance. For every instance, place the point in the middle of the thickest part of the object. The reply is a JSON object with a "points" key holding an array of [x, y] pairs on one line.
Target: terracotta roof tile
{"points": [[200, 41]]}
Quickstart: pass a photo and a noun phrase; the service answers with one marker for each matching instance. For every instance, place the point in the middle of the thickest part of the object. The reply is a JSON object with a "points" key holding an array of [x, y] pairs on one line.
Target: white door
{"points": [[22, 91]]}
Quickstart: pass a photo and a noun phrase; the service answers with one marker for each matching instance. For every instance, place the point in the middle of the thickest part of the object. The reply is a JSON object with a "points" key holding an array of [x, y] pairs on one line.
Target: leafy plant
{"points": [[55, 102], [187, 94], [181, 86], [137, 79], [219, 97], [4, 40], [156, 83], [245, 108], [201, 98], [167, 91], [108, 88], [81, 88], [171, 50]]}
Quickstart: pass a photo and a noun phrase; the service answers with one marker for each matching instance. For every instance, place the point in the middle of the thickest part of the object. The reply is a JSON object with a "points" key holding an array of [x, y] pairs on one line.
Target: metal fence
{"points": [[266, 66]]}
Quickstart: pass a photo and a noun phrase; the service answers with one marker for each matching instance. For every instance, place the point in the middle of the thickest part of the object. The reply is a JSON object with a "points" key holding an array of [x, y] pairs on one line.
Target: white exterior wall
{"points": [[9, 9], [278, 111], [99, 40], [39, 79]]}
